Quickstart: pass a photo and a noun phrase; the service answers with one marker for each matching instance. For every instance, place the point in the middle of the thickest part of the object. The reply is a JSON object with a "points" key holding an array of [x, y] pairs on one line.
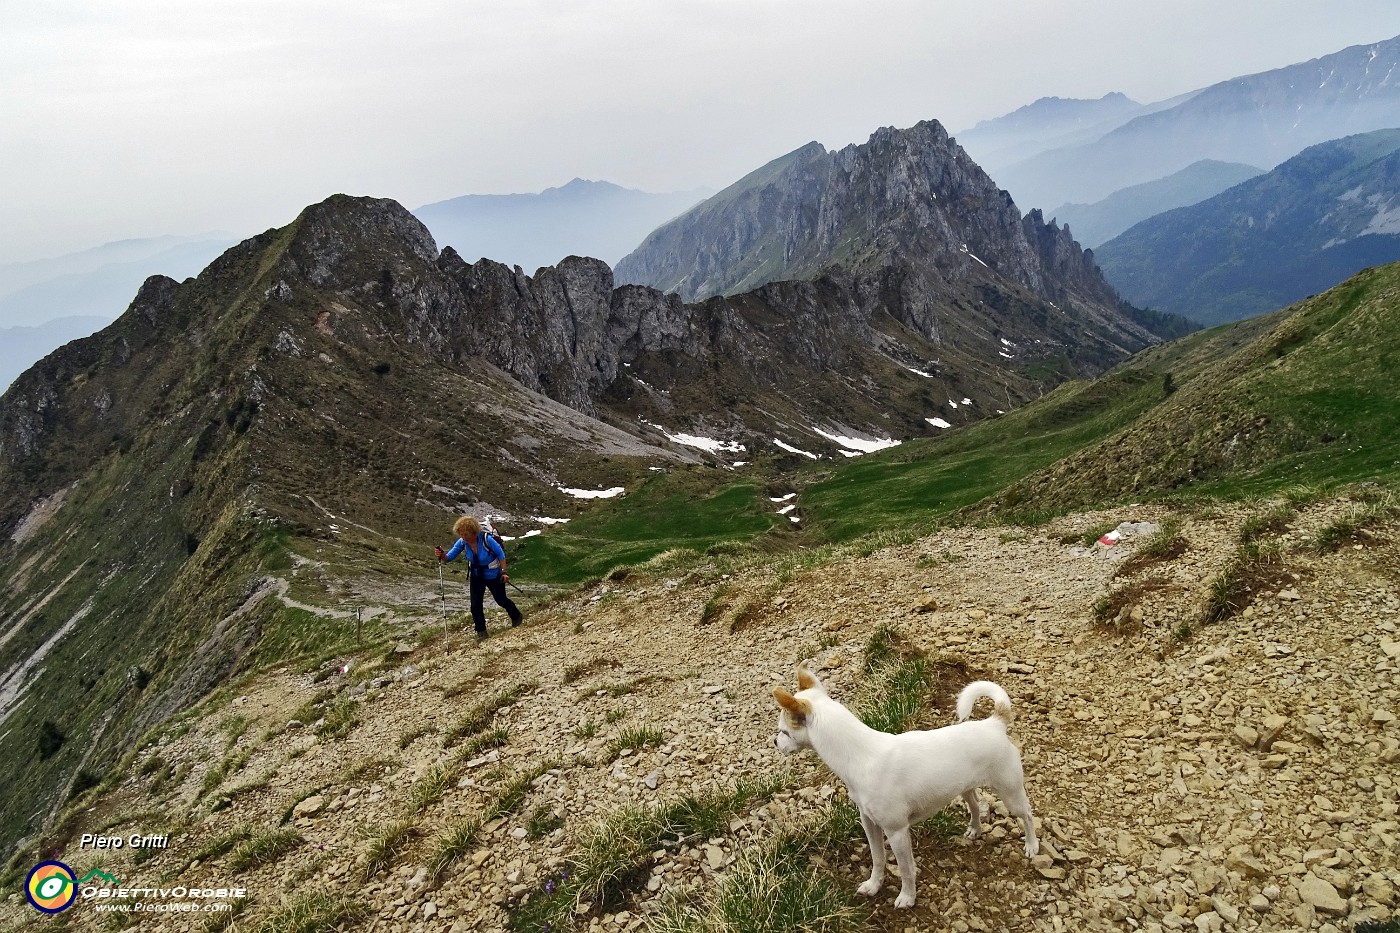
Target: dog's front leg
{"points": [[875, 836], [903, 845]]}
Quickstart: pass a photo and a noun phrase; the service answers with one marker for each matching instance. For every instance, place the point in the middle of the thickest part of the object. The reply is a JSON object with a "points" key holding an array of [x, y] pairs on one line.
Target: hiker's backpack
{"points": [[489, 535]]}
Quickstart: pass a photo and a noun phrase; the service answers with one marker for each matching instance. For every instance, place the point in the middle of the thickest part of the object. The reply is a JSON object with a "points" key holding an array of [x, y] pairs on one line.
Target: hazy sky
{"points": [[132, 118]]}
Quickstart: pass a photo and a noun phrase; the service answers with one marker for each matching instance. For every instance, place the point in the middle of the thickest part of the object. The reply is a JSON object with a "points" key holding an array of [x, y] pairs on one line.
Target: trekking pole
{"points": [[442, 595]]}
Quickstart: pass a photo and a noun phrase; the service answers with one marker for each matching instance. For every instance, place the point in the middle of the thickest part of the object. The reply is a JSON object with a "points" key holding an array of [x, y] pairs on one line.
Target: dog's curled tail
{"points": [[1001, 703]]}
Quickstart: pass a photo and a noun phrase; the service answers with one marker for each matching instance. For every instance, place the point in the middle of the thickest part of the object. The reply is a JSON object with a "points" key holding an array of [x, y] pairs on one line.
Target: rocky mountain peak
{"points": [[908, 199], [342, 228]]}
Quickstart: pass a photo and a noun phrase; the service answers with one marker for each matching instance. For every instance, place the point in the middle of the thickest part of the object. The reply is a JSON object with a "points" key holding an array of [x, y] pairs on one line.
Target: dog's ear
{"points": [[806, 680], [797, 710]]}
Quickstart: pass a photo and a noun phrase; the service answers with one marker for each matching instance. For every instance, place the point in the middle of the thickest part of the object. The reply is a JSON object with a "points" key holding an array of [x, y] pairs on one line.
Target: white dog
{"points": [[898, 780]]}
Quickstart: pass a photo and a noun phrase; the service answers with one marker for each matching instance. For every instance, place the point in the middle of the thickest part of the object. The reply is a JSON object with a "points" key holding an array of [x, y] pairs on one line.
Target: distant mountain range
{"points": [[1319, 217], [22, 347], [99, 282], [582, 218], [1097, 223], [1050, 123], [47, 302], [1259, 119]]}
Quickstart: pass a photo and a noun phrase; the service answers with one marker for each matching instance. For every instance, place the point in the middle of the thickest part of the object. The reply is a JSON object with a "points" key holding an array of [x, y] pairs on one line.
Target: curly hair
{"points": [[466, 527]]}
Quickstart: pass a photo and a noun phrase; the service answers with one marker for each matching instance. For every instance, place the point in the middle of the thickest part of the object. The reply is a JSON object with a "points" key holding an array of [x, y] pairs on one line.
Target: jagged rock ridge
{"points": [[907, 198]]}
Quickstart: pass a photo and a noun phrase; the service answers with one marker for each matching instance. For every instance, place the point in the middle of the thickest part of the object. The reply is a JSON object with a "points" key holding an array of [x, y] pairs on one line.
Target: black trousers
{"points": [[479, 586]]}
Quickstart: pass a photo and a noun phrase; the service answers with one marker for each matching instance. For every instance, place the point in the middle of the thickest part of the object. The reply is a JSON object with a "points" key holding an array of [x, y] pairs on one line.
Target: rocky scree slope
{"points": [[1229, 776], [868, 356]]}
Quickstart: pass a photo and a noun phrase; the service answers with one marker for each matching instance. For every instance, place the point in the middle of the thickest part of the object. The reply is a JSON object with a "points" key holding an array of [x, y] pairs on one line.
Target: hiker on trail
{"points": [[487, 562]]}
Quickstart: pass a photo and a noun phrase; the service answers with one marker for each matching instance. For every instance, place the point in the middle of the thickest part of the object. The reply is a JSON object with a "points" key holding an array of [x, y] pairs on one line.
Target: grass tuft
{"points": [[263, 848], [901, 701], [613, 854], [542, 822], [479, 716], [222, 844], [512, 794], [409, 736], [480, 743], [586, 729], [575, 672], [899, 678], [635, 738], [314, 913], [1271, 521], [1166, 544], [430, 788], [338, 720], [456, 841], [764, 893], [1226, 593], [1352, 526], [715, 605], [881, 649], [385, 846]]}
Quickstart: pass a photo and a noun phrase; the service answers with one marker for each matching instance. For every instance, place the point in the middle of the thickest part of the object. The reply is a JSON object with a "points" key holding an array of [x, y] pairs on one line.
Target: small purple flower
{"points": [[549, 886]]}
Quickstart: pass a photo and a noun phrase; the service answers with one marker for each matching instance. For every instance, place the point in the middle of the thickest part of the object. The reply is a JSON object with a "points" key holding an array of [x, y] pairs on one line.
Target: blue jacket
{"points": [[486, 562]]}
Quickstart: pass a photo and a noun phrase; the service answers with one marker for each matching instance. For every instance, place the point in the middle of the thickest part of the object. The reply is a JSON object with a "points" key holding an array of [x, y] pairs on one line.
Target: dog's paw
{"points": [[1032, 847], [869, 888], [904, 900], [973, 832]]}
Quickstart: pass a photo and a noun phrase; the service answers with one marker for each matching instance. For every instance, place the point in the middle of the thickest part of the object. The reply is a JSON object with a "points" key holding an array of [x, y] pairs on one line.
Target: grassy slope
{"points": [[1313, 400], [695, 509], [149, 553]]}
